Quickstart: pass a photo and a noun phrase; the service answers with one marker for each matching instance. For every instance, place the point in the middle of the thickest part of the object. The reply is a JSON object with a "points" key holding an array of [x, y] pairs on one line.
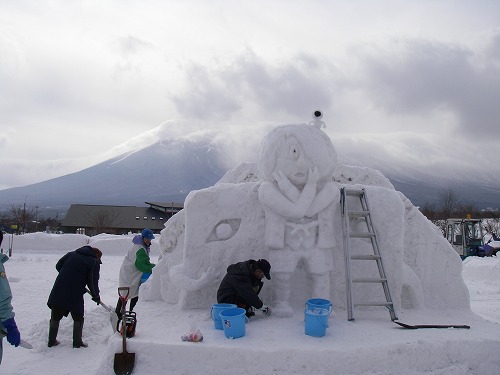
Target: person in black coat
{"points": [[242, 285], [77, 269]]}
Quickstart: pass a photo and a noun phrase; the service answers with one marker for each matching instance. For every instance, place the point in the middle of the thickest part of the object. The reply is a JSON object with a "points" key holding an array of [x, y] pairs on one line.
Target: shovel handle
{"points": [[123, 292], [106, 307]]}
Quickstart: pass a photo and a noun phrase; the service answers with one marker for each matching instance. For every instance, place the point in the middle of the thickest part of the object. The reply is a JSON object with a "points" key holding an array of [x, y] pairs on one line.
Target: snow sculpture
{"points": [[286, 208], [296, 163], [317, 122]]}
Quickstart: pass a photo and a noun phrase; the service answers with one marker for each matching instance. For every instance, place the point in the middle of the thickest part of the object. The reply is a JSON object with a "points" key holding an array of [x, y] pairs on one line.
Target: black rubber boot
{"points": [[118, 309], [77, 335], [53, 329]]}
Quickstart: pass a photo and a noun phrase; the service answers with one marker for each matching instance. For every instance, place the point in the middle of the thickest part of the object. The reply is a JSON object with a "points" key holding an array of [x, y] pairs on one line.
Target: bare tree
{"points": [[103, 220], [449, 202], [467, 208], [429, 210], [22, 216]]}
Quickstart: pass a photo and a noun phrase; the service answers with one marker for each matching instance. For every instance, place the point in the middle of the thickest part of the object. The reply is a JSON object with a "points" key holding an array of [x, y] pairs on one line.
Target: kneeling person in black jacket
{"points": [[242, 285]]}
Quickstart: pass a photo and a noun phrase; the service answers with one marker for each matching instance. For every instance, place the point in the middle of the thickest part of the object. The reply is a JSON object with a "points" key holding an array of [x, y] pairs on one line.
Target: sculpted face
{"points": [[293, 162]]}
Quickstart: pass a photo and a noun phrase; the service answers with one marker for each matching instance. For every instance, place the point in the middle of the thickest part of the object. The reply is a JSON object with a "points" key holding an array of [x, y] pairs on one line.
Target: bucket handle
{"points": [[330, 308], [212, 313], [321, 322]]}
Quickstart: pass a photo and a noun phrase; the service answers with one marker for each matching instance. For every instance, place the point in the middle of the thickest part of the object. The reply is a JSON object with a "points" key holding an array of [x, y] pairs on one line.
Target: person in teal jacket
{"points": [[134, 265], [8, 323]]}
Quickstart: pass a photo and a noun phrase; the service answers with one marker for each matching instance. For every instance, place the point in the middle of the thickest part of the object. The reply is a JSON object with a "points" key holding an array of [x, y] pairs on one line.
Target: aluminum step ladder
{"points": [[364, 215]]}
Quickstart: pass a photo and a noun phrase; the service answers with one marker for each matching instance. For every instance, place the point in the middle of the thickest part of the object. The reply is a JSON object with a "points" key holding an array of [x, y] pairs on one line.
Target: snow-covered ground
{"points": [[372, 344]]}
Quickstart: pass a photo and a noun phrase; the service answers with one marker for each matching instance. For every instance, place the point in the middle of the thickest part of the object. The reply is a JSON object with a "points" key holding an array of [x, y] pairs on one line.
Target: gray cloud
{"points": [[288, 89], [418, 76], [78, 80], [130, 45]]}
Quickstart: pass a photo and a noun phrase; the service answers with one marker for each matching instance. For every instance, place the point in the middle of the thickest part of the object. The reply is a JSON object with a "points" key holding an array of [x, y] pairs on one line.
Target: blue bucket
{"points": [[216, 310], [316, 321], [319, 303], [233, 322]]}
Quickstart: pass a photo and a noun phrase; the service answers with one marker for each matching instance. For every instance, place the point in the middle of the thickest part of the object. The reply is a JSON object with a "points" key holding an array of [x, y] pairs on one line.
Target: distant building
{"points": [[94, 219], [489, 209]]}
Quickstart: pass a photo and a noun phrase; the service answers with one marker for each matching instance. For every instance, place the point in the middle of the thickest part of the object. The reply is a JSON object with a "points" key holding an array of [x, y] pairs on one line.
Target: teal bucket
{"points": [[216, 310], [316, 321], [319, 303], [233, 322]]}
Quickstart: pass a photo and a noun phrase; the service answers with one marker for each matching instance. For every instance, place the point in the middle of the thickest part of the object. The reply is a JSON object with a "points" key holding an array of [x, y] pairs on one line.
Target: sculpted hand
{"points": [[283, 181], [209, 276], [313, 176]]}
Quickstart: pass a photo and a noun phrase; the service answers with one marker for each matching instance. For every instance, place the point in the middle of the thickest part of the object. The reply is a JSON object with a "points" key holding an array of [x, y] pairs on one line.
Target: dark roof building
{"points": [[95, 219]]}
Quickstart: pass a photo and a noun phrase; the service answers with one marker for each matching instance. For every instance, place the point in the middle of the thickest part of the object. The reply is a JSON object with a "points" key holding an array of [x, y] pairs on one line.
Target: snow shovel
{"points": [[124, 362], [23, 344], [112, 314]]}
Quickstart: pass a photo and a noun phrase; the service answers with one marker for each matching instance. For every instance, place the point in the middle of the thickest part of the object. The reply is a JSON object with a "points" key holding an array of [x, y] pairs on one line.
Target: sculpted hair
{"points": [[315, 143]]}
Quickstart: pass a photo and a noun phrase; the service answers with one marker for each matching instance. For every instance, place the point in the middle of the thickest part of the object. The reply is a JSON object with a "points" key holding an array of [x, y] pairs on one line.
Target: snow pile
{"points": [[50, 243], [369, 345]]}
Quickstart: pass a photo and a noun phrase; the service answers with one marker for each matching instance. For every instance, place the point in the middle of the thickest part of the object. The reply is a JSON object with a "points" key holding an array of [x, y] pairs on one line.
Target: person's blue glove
{"points": [[13, 335], [145, 277]]}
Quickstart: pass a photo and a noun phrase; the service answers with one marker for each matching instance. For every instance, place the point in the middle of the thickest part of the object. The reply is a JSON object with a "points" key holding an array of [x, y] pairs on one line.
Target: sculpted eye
{"points": [[224, 230], [294, 152]]}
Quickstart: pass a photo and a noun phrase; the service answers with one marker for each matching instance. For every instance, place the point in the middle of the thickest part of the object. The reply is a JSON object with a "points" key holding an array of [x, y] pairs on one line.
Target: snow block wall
{"points": [[227, 223]]}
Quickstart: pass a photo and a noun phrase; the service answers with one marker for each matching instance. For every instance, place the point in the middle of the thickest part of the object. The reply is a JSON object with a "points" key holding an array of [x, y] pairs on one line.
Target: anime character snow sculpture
{"points": [[288, 211], [296, 163]]}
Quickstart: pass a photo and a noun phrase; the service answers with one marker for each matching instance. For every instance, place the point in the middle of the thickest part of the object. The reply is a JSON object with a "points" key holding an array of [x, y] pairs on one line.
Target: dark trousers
{"points": [[118, 309], [57, 313], [240, 302]]}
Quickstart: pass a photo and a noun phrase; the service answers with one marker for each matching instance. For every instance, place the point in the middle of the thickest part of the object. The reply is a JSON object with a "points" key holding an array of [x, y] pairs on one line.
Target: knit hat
{"points": [[265, 267]]}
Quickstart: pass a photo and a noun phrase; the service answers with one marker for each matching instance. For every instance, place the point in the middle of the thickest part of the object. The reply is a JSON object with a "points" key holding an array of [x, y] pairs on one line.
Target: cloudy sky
{"points": [[410, 82]]}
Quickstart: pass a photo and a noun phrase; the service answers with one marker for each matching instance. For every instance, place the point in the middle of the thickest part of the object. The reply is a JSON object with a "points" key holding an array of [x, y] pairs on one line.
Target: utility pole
{"points": [[25, 218]]}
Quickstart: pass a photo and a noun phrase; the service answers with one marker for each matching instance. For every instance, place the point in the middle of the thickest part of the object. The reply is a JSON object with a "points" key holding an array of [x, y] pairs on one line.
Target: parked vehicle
{"points": [[466, 236]]}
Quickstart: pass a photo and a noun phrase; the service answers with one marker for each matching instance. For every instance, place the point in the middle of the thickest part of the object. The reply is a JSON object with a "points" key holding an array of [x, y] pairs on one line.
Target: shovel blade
{"points": [[124, 363], [114, 321]]}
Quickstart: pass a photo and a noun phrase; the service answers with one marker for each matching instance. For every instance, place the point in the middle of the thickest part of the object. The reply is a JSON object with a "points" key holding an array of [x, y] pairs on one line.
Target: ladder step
{"points": [[354, 192], [357, 214], [362, 216], [361, 235], [365, 257], [374, 304], [369, 280]]}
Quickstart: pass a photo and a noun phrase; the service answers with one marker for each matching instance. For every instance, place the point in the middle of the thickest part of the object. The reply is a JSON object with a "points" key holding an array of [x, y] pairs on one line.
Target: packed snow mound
{"points": [[280, 344], [109, 244], [286, 208]]}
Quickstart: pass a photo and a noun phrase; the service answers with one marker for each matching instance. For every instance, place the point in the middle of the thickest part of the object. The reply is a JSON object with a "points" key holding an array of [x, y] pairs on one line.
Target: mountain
{"points": [[426, 186], [162, 172], [168, 170], [477, 187], [481, 195]]}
